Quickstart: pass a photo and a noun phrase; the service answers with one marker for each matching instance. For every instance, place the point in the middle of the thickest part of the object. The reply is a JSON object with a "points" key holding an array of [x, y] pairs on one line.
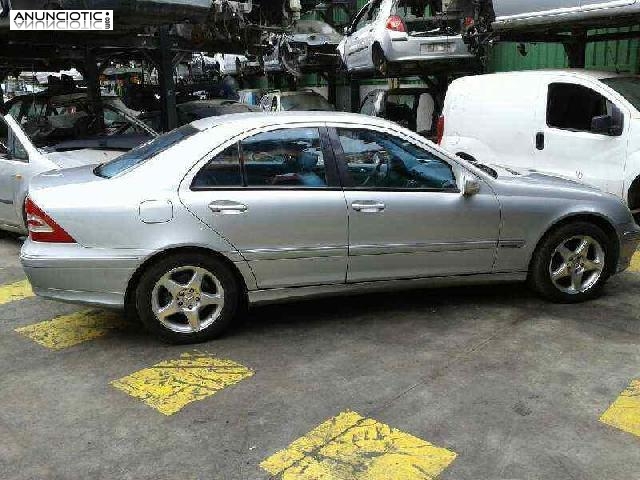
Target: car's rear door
{"points": [[275, 196], [407, 217]]}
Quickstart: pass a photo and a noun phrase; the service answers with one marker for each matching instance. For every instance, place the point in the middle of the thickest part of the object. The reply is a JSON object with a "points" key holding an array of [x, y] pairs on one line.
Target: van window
{"points": [[572, 107], [628, 87]]}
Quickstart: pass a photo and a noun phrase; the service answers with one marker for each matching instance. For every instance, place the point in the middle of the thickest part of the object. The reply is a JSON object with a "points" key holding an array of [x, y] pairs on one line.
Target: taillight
{"points": [[469, 22], [440, 129], [42, 228], [395, 23]]}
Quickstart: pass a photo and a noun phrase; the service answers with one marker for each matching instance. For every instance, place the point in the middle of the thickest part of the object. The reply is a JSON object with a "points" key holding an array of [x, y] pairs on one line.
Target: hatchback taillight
{"points": [[395, 23], [42, 228], [440, 129]]}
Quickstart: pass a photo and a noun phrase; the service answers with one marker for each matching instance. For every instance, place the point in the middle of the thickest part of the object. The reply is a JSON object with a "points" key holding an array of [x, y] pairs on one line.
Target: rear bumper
{"points": [[409, 49], [629, 240], [72, 273]]}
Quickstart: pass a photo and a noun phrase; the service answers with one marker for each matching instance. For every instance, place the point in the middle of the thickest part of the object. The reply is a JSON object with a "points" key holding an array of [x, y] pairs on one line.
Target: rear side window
{"points": [[222, 171], [144, 152], [278, 159], [573, 107]]}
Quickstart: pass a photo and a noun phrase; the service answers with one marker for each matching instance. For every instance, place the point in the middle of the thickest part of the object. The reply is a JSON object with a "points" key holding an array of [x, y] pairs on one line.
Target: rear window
{"points": [[144, 152]]}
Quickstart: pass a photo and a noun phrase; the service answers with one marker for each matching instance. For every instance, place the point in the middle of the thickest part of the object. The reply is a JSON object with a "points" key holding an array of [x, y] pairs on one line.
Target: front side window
{"points": [[573, 107], [282, 158], [628, 87], [377, 160]]}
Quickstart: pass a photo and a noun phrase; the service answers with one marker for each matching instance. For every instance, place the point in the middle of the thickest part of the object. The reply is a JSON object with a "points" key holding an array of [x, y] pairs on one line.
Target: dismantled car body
{"points": [[412, 108], [310, 47], [71, 121], [394, 37]]}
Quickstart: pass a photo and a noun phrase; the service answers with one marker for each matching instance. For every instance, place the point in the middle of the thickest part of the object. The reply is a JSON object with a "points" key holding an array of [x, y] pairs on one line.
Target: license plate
{"points": [[438, 47]]}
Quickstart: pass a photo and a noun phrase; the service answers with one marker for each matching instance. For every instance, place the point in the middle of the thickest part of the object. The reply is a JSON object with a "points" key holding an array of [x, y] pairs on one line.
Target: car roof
{"points": [[264, 119], [298, 92], [576, 72]]}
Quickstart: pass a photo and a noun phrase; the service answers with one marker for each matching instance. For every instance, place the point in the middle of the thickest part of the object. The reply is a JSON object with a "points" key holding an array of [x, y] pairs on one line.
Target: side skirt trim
{"points": [[292, 293]]}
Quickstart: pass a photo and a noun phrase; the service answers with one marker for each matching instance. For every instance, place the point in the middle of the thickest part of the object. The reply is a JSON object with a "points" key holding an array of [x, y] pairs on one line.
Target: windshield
{"points": [[305, 101], [144, 152], [628, 87]]}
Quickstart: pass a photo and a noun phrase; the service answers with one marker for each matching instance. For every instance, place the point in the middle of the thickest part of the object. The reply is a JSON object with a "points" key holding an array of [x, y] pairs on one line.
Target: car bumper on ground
{"points": [[629, 241], [73, 273]]}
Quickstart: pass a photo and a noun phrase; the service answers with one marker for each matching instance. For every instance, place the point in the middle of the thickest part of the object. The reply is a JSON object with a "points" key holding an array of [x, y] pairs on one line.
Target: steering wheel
{"points": [[378, 161]]}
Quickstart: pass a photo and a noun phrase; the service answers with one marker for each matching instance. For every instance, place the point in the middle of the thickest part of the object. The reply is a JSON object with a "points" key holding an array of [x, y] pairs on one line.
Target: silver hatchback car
{"points": [[257, 207]]}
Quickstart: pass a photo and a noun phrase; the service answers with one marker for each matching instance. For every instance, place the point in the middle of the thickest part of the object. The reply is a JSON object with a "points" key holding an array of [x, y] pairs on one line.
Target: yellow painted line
{"points": [[350, 446], [624, 413], [635, 263], [170, 385], [15, 291], [68, 330]]}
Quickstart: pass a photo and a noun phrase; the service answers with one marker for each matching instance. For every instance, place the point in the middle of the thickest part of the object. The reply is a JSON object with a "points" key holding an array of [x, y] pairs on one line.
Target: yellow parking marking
{"points": [[635, 263], [15, 291], [350, 446], [68, 330], [624, 413], [170, 385]]}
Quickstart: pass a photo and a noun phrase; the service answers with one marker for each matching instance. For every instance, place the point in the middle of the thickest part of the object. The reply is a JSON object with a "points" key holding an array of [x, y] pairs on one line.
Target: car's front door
{"points": [[407, 216], [275, 196], [14, 169], [567, 145]]}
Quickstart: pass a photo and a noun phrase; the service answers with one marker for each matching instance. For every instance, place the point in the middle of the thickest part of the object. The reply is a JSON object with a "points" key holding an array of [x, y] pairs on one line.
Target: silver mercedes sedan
{"points": [[190, 227]]}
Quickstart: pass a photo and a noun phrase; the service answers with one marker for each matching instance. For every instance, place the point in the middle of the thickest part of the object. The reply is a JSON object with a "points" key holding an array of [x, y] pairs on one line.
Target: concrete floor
{"points": [[511, 384]]}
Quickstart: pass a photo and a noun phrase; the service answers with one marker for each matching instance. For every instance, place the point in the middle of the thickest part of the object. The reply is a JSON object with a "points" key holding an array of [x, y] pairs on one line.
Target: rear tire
{"points": [[571, 264], [187, 298]]}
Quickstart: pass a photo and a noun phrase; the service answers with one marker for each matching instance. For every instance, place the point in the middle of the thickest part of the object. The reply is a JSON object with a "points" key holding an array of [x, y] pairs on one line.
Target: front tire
{"points": [[187, 298], [571, 264]]}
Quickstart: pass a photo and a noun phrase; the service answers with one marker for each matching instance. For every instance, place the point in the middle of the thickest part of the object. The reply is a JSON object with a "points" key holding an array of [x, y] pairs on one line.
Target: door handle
{"points": [[368, 206], [18, 176], [540, 141], [227, 206]]}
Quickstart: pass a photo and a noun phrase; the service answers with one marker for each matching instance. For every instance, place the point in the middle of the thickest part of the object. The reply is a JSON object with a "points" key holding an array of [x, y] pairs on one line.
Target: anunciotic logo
{"points": [[61, 20]]}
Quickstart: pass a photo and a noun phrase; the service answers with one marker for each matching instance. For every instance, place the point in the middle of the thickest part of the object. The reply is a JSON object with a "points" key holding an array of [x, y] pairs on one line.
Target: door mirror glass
{"points": [[470, 187], [602, 124]]}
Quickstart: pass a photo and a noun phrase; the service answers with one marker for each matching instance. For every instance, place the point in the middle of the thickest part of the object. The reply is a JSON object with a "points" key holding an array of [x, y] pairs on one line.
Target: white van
{"points": [[582, 125]]}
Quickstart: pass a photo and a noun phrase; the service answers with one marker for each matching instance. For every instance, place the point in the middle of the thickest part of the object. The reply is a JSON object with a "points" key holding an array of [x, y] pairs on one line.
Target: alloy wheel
{"points": [[187, 299], [577, 264]]}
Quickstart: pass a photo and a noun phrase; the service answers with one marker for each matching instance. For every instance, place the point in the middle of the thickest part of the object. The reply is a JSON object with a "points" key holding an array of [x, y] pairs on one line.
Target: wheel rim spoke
{"points": [[168, 310], [593, 266], [172, 286], [583, 248], [197, 278], [210, 299], [560, 272], [576, 280], [565, 253], [193, 318]]}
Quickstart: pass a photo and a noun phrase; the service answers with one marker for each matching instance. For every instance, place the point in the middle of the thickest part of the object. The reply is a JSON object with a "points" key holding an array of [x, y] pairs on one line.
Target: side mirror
{"points": [[470, 187], [605, 125], [346, 31]]}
